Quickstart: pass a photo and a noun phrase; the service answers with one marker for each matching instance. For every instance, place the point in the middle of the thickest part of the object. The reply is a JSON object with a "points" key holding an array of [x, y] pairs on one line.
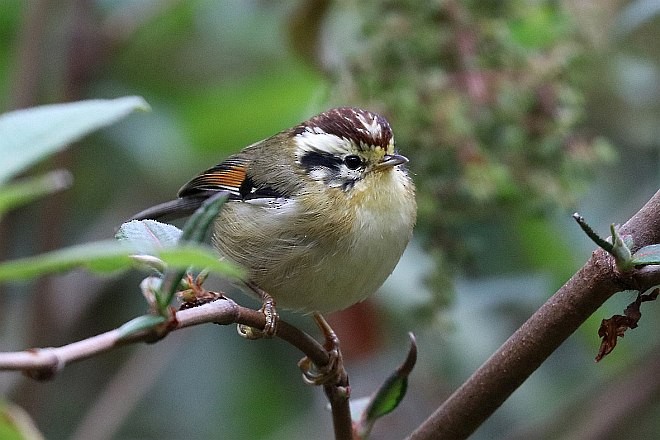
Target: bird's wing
{"points": [[229, 176], [232, 176]]}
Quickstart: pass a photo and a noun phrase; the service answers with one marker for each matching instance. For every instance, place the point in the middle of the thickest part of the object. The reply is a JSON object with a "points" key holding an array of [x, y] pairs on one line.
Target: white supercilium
{"points": [[315, 139]]}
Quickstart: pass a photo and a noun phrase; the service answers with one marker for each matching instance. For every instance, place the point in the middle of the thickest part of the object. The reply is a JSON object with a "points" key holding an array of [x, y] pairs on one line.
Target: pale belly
{"points": [[317, 263], [326, 282]]}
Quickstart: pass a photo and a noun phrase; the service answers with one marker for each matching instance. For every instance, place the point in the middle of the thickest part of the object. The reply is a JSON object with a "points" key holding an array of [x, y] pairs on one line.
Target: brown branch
{"points": [[44, 363], [476, 400], [341, 411]]}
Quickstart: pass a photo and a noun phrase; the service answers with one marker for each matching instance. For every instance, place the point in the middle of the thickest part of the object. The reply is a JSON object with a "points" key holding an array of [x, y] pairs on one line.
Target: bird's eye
{"points": [[353, 162]]}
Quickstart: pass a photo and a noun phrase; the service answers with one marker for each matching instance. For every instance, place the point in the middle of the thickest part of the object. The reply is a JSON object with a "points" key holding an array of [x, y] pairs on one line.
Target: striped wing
{"points": [[230, 175]]}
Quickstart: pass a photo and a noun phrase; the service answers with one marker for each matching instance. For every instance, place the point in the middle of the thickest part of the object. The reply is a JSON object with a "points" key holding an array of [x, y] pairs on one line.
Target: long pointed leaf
{"points": [[194, 231], [390, 394], [108, 256], [26, 190], [103, 256], [29, 135]]}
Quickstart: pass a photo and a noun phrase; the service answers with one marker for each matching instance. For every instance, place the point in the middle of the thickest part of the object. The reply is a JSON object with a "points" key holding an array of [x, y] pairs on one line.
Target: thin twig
{"points": [[476, 400], [341, 412], [44, 363]]}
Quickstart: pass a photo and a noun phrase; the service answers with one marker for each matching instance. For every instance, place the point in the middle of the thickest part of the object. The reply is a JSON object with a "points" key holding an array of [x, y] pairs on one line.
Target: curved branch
{"points": [[476, 400], [44, 363]]}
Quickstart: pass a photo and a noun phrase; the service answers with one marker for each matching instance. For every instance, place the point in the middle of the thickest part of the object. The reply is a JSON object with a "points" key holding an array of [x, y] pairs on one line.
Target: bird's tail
{"points": [[171, 210]]}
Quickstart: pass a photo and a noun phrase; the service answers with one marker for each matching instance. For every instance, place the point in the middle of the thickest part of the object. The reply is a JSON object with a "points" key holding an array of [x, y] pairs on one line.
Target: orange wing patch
{"points": [[227, 176], [230, 178]]}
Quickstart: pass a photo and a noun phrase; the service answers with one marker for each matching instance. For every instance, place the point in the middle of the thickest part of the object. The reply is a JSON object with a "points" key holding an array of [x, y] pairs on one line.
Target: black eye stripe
{"points": [[332, 168], [315, 159]]}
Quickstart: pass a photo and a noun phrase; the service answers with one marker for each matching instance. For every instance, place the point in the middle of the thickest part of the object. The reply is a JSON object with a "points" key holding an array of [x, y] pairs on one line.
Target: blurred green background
{"points": [[514, 114]]}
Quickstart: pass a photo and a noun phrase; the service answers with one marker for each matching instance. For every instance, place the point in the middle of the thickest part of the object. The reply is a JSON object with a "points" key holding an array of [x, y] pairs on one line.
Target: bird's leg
{"points": [[332, 373], [269, 311]]}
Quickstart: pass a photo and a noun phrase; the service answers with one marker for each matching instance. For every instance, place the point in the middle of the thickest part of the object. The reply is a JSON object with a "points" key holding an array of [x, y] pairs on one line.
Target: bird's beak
{"points": [[392, 160]]}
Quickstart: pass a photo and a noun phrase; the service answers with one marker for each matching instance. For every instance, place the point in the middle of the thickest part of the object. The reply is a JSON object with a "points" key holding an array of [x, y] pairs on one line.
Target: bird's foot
{"points": [[333, 372], [270, 313]]}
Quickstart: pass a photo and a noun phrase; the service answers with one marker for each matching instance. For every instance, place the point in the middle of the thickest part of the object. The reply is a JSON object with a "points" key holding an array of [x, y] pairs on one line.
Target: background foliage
{"points": [[503, 108]]}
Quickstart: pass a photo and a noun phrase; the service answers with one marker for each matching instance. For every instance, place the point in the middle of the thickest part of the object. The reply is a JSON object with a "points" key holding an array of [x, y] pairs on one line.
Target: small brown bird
{"points": [[318, 214]]}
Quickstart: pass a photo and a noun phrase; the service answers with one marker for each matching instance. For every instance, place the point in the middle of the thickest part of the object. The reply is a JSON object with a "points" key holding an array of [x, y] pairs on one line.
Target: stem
{"points": [[600, 241], [341, 412], [44, 363]]}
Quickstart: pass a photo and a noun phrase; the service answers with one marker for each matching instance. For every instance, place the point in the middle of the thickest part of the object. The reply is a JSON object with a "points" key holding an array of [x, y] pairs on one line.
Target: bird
{"points": [[318, 214]]}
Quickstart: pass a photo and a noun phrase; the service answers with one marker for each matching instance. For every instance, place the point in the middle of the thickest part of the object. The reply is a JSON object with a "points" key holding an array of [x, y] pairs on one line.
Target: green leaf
{"points": [[390, 394], [620, 250], [147, 235], [16, 424], [26, 190], [388, 397], [199, 257], [194, 231], [29, 135], [108, 256], [198, 224], [647, 255], [140, 323], [101, 256]]}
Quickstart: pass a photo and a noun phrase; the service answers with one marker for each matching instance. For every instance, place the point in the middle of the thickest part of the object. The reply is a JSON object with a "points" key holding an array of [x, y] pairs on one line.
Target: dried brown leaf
{"points": [[610, 330], [615, 327]]}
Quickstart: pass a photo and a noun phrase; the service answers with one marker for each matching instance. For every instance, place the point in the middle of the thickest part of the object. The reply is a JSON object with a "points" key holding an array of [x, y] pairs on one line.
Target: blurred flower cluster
{"points": [[486, 100]]}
